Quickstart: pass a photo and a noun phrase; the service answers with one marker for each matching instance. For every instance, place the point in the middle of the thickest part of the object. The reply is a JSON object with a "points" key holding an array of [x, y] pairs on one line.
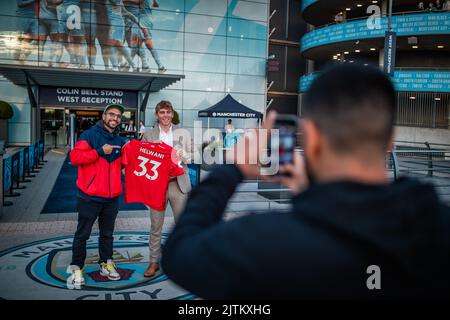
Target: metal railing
{"points": [[429, 162], [425, 161]]}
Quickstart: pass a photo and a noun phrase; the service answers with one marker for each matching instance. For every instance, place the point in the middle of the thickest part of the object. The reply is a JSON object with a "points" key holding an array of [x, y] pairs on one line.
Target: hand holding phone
{"points": [[293, 176]]}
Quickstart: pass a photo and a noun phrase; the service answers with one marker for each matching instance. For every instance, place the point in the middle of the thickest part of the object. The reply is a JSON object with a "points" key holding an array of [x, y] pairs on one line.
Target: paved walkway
{"points": [[35, 248], [22, 227]]}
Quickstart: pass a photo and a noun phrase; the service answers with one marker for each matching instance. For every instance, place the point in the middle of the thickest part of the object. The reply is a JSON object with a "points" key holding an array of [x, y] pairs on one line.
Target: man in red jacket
{"points": [[97, 155]]}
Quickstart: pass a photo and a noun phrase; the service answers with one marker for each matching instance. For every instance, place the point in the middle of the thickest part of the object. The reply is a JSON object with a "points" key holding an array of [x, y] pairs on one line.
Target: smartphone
{"points": [[287, 126]]}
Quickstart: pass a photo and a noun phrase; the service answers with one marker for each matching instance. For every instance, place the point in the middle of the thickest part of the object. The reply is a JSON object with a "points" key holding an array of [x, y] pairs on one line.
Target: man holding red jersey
{"points": [[178, 187], [97, 154]]}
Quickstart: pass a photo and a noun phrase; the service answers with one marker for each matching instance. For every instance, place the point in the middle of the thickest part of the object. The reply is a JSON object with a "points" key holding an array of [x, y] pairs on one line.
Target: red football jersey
{"points": [[148, 168]]}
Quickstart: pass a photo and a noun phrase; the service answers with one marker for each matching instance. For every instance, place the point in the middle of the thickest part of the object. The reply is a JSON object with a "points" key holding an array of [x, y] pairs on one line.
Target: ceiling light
{"points": [[374, 1], [335, 57], [413, 40], [440, 47], [437, 99], [359, 5], [357, 51], [338, 54], [346, 52], [412, 98], [415, 47], [348, 9], [373, 49]]}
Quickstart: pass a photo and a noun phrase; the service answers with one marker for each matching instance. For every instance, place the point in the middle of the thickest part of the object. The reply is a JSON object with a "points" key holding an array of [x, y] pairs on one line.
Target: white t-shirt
{"points": [[167, 138], [142, 129]]}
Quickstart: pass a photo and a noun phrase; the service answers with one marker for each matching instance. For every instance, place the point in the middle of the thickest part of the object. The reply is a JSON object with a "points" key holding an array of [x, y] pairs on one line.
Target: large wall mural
{"points": [[219, 45]]}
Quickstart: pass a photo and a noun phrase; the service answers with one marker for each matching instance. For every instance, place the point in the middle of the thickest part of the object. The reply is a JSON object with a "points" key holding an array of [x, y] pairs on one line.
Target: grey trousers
{"points": [[177, 200]]}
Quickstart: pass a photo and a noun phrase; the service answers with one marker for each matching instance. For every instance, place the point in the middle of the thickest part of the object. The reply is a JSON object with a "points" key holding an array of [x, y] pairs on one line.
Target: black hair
{"points": [[353, 106]]}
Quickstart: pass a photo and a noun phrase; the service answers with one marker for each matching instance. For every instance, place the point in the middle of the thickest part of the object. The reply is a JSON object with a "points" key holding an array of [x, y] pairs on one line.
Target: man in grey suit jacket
{"points": [[178, 187]]}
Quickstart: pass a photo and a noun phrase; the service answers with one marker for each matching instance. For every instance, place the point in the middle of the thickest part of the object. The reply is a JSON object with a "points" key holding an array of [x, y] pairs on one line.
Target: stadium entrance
{"points": [[55, 123], [57, 104]]}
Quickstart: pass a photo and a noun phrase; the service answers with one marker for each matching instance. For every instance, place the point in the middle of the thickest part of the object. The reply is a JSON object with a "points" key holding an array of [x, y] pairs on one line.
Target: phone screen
{"points": [[286, 146], [287, 126]]}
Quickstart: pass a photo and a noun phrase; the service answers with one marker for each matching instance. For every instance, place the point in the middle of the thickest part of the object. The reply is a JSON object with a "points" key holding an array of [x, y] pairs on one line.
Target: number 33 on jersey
{"points": [[148, 168]]}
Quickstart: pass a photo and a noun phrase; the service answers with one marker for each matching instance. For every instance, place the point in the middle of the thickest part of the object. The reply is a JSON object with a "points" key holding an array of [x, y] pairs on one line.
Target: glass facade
{"points": [[219, 45]]}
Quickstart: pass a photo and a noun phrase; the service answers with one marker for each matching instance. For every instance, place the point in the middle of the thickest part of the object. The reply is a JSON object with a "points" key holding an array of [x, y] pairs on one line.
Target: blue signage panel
{"points": [[422, 81], [432, 81], [412, 24], [390, 45]]}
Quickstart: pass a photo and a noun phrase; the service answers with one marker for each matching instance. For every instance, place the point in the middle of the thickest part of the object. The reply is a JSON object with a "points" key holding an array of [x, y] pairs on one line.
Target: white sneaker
{"points": [[108, 269], [76, 279]]}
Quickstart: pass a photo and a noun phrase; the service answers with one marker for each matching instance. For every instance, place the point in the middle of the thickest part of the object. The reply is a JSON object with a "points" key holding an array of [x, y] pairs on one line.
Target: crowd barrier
{"points": [[18, 167]]}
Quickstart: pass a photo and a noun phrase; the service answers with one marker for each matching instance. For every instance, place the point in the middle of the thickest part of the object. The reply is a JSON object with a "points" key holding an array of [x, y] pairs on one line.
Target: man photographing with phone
{"points": [[97, 156], [346, 215]]}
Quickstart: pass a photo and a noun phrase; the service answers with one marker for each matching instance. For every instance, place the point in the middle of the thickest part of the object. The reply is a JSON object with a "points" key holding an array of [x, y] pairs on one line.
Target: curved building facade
{"points": [[341, 31]]}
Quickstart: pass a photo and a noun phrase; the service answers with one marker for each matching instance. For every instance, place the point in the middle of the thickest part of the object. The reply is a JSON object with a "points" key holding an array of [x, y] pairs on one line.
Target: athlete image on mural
{"points": [[27, 25], [136, 38], [93, 14], [48, 27], [71, 33], [116, 13]]}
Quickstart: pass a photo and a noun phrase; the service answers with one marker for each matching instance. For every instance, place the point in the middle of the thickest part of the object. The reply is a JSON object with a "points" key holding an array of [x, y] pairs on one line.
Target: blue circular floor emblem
{"points": [[38, 270]]}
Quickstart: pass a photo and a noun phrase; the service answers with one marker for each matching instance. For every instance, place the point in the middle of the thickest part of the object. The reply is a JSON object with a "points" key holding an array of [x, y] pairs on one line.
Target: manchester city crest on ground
{"points": [[37, 270]]}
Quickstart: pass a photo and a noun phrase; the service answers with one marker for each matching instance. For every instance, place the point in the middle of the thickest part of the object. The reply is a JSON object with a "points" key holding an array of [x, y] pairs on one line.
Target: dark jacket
{"points": [[99, 175], [322, 248]]}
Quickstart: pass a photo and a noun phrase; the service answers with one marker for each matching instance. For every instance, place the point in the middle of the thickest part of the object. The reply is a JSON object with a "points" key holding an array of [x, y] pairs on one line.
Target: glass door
{"points": [[53, 127]]}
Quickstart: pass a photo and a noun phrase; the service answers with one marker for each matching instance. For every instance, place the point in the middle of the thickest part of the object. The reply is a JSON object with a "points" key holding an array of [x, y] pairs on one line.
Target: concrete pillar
{"points": [[310, 66], [35, 127], [299, 104], [33, 124]]}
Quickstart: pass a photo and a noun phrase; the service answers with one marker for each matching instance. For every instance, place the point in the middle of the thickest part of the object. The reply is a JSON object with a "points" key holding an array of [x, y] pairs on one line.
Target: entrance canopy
{"points": [[66, 77], [228, 107]]}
